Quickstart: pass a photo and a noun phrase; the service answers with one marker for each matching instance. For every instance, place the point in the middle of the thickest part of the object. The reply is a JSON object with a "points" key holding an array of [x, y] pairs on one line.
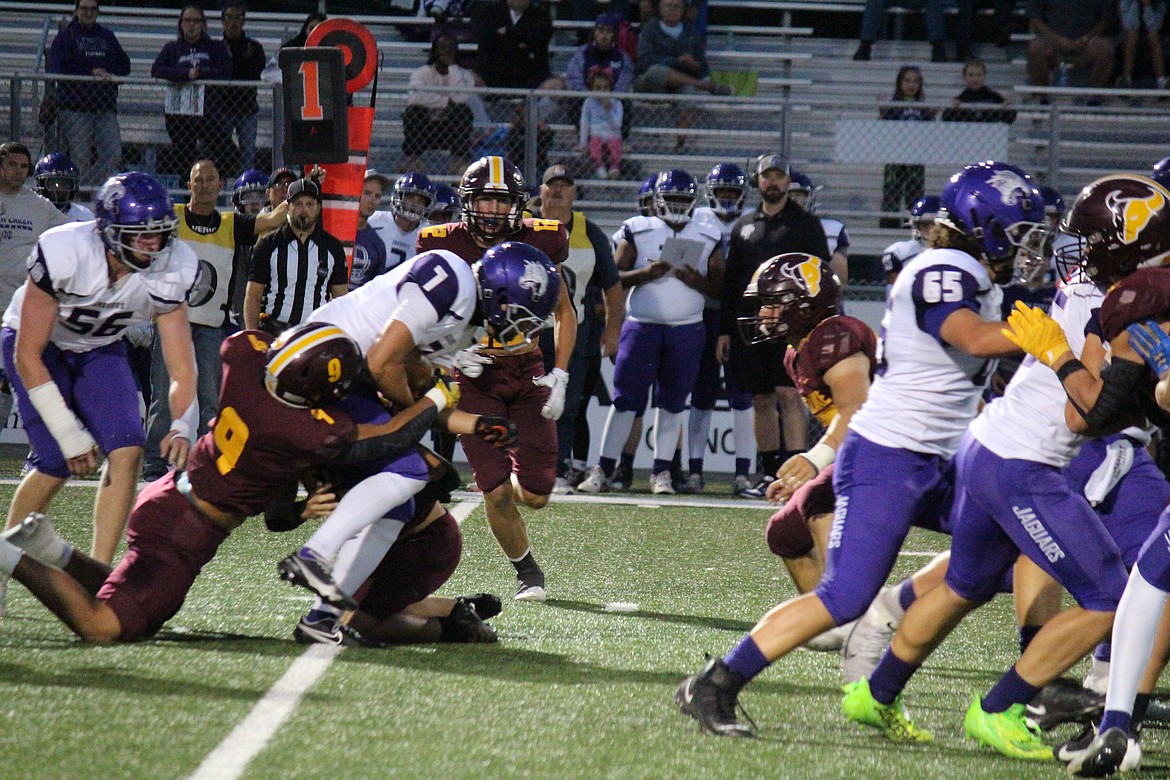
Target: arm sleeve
{"points": [[389, 445], [284, 513]]}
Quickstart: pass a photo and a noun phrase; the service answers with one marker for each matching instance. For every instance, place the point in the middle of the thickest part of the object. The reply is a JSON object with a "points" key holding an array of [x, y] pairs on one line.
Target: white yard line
{"points": [[232, 756]]}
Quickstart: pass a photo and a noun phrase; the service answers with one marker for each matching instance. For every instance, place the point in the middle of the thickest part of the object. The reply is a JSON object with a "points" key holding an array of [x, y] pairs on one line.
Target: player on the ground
{"points": [[64, 352], [512, 382], [939, 338]]}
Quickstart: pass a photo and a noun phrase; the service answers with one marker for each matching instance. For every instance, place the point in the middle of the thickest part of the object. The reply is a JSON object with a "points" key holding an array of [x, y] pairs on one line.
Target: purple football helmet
{"points": [[999, 208], [801, 183], [57, 179], [726, 177], [646, 196], [922, 214], [446, 206], [675, 193], [252, 180], [518, 290], [1161, 172], [411, 184], [132, 207]]}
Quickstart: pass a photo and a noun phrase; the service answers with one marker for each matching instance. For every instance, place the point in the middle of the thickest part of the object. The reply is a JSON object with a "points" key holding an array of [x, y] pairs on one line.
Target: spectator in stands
{"points": [[976, 91], [295, 269], [240, 107], [438, 120], [903, 184], [601, 124], [88, 111], [871, 24], [1071, 31], [965, 26], [1136, 14], [513, 38], [272, 69], [601, 51], [194, 118], [672, 57]]}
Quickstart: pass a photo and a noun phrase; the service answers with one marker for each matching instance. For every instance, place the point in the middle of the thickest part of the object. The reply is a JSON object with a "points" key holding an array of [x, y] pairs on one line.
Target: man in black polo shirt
{"points": [[776, 227], [295, 269]]}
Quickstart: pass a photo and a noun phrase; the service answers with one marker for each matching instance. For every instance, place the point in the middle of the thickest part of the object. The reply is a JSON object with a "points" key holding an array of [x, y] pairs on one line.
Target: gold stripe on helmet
{"points": [[298, 345]]}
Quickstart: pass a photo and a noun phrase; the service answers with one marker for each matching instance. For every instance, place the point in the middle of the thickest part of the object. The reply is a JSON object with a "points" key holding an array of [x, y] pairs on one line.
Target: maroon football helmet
{"points": [[789, 294], [312, 365], [497, 179], [1122, 223]]}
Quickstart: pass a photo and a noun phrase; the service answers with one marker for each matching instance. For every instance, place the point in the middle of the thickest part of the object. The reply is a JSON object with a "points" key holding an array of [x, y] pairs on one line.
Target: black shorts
{"points": [[759, 368]]}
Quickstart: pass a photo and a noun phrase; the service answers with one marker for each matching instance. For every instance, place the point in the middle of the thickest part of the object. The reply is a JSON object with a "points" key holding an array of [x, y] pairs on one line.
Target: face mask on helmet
{"points": [[494, 195], [136, 220], [312, 365], [519, 288], [60, 190], [446, 206], [726, 190], [412, 197], [790, 294]]}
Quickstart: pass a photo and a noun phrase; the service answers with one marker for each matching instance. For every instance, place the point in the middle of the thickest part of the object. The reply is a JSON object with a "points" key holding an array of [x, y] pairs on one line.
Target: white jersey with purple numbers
{"points": [[1027, 423], [69, 263], [399, 245], [927, 391], [667, 300], [434, 295], [899, 253]]}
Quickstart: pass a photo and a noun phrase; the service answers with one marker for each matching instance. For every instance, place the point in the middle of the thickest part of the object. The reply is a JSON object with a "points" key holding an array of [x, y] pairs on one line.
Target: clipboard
{"points": [[682, 251]]}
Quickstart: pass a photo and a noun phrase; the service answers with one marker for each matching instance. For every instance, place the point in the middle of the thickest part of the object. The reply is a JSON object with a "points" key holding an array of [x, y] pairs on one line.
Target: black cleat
{"points": [[1105, 755], [1065, 701], [329, 631], [305, 569], [486, 605], [710, 698], [464, 625]]}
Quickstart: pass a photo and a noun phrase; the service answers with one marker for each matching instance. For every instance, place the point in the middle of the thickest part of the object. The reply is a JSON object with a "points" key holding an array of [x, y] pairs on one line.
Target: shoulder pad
{"points": [[641, 224]]}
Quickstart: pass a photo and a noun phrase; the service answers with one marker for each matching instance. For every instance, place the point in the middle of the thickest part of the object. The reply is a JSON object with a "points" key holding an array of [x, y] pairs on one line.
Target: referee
{"points": [[776, 227], [295, 269]]}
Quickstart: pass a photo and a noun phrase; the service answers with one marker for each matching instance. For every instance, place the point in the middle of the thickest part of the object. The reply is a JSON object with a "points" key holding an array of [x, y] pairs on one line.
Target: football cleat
{"points": [[530, 587], [710, 697], [623, 479], [563, 487], [740, 485], [486, 605], [660, 484], [1005, 731], [464, 626], [759, 489], [37, 537], [830, 641], [330, 631], [1107, 753], [871, 636], [595, 481], [694, 484], [305, 569], [891, 720], [1064, 701]]}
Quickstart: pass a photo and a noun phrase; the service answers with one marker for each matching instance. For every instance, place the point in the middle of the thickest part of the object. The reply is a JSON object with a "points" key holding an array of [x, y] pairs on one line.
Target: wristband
{"points": [[67, 430], [1068, 369], [821, 456], [438, 398], [182, 426]]}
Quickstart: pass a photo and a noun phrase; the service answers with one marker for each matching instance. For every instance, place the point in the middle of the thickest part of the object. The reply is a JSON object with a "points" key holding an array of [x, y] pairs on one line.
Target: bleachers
{"points": [[816, 76]]}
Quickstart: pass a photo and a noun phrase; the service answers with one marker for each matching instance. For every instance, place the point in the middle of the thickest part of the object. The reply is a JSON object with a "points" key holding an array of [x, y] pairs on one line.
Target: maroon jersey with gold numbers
{"points": [[830, 342], [547, 235], [257, 442]]}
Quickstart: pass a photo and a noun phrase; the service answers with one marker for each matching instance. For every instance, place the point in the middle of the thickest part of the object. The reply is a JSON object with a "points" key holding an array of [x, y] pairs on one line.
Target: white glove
{"points": [[469, 362], [556, 381]]}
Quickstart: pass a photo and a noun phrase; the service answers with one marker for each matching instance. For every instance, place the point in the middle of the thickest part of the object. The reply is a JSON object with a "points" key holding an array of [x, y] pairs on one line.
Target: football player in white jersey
{"points": [[939, 338], [922, 214], [671, 260], [424, 308], [57, 180], [62, 339], [410, 201], [726, 190], [804, 193]]}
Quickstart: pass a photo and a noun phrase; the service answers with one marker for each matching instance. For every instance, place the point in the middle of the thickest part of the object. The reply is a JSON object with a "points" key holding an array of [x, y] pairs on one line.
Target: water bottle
{"points": [[1062, 73]]}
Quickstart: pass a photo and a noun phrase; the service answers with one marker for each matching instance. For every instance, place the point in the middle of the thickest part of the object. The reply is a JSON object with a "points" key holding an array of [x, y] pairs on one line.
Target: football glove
{"points": [[498, 431], [556, 381], [1036, 333], [445, 393], [1152, 345], [470, 362]]}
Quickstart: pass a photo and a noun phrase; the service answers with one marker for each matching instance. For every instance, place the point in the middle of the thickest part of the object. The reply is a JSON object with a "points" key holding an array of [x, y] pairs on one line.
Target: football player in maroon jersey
{"points": [[514, 383]]}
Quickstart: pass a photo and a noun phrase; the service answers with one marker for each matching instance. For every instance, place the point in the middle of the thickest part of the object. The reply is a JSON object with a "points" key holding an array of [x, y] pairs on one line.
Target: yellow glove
{"points": [[1036, 333], [445, 393]]}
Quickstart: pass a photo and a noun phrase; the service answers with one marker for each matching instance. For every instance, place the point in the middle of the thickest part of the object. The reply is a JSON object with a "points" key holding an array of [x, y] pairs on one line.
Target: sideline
{"points": [[232, 756]]}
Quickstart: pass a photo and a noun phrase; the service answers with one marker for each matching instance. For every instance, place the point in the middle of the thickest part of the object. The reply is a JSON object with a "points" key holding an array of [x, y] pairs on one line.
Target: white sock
{"points": [[9, 556], [360, 555], [364, 504], [47, 547], [743, 432], [1134, 630], [666, 429], [617, 429], [698, 430]]}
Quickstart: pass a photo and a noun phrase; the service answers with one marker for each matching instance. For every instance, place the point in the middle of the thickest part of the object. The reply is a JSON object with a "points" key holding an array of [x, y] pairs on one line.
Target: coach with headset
{"points": [[776, 227]]}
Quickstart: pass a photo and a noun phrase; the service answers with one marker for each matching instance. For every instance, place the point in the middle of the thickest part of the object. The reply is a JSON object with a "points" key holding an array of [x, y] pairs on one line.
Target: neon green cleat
{"points": [[1005, 731], [891, 720]]}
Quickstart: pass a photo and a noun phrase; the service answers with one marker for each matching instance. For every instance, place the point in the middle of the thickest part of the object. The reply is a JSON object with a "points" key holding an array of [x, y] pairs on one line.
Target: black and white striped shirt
{"points": [[297, 276]]}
